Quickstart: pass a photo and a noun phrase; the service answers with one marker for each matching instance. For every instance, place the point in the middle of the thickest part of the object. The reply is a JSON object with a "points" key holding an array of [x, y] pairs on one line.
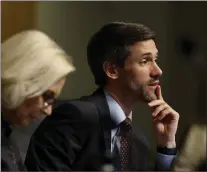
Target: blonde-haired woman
{"points": [[34, 69]]}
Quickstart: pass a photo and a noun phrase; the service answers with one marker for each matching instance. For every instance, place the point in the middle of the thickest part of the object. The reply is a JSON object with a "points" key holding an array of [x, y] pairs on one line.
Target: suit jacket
{"points": [[76, 136]]}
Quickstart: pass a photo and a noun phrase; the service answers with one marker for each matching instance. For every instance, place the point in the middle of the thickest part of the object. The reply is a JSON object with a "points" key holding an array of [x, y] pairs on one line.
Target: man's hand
{"points": [[165, 121]]}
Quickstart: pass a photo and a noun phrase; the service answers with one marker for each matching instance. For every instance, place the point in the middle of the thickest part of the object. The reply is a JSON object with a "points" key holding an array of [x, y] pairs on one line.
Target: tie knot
{"points": [[126, 123]]}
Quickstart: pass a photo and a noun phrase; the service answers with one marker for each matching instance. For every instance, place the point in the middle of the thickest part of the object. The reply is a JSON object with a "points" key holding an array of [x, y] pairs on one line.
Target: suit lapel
{"points": [[133, 153], [99, 99], [139, 151]]}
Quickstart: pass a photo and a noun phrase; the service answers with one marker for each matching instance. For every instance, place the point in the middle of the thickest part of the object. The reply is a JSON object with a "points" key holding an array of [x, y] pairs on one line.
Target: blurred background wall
{"points": [[71, 24], [17, 16]]}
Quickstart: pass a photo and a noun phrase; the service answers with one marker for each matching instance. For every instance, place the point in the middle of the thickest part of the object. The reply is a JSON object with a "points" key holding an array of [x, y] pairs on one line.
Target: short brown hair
{"points": [[111, 43]]}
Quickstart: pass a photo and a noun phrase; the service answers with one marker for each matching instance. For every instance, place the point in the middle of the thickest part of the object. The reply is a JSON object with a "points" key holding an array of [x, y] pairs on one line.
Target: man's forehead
{"points": [[145, 47]]}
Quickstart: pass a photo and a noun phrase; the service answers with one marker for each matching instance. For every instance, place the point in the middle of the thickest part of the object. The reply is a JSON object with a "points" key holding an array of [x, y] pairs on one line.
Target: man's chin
{"points": [[149, 97]]}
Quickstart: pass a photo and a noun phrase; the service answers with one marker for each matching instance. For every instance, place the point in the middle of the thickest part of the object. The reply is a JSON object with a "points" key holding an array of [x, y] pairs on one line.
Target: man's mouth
{"points": [[156, 83]]}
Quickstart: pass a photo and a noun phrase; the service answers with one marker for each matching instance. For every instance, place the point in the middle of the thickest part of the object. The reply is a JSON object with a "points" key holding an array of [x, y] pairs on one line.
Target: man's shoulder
{"points": [[84, 107], [71, 115], [78, 107], [75, 110]]}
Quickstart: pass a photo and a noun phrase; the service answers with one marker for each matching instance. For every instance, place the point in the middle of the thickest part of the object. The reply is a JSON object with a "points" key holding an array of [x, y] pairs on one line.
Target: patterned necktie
{"points": [[126, 133]]}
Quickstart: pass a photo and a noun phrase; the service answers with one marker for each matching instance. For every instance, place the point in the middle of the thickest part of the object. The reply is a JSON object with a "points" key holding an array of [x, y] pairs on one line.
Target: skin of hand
{"points": [[165, 121]]}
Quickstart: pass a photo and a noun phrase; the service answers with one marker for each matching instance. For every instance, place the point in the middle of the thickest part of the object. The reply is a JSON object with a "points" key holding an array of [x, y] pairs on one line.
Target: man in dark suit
{"points": [[122, 58]]}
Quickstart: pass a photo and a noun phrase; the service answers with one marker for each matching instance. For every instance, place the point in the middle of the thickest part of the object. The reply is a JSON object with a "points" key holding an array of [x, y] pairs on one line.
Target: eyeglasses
{"points": [[49, 98]]}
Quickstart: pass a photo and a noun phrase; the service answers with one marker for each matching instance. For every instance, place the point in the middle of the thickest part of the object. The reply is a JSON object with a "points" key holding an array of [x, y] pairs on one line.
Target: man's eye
{"points": [[156, 61], [144, 62]]}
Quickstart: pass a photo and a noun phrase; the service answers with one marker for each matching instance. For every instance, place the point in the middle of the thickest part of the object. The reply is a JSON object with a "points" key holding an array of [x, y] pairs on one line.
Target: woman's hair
{"points": [[31, 63]]}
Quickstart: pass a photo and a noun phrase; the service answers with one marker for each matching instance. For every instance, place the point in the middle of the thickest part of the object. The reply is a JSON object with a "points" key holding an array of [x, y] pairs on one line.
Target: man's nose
{"points": [[156, 71]]}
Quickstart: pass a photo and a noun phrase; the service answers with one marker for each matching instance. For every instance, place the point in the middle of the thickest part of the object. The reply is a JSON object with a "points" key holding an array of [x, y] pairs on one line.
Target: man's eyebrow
{"points": [[149, 54], [144, 55]]}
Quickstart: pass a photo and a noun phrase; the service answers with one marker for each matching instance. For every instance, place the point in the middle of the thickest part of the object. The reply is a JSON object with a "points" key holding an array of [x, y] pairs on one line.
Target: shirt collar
{"points": [[116, 112]]}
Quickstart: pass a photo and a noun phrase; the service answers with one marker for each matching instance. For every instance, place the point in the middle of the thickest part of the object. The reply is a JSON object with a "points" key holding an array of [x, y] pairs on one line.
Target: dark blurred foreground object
{"points": [[192, 153], [106, 163]]}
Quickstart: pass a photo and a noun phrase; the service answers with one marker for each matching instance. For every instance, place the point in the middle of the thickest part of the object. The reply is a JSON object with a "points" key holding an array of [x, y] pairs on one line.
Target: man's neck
{"points": [[123, 99]]}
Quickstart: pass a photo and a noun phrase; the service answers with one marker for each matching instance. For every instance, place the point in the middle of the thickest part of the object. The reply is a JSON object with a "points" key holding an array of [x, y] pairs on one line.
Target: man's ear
{"points": [[111, 70]]}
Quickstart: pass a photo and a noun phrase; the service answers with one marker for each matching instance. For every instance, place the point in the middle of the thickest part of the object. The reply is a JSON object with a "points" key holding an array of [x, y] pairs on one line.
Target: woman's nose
{"points": [[48, 110]]}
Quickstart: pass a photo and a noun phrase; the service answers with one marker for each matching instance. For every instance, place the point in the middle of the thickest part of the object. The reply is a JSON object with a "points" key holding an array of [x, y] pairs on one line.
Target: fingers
{"points": [[155, 103], [158, 93], [162, 115], [159, 109], [159, 100]]}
